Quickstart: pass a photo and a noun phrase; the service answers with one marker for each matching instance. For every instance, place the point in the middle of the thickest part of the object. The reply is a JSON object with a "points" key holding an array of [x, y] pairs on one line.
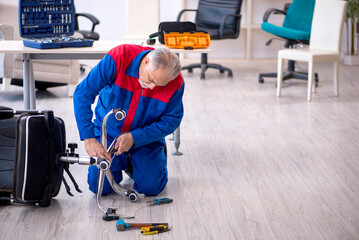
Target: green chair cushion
{"points": [[285, 32]]}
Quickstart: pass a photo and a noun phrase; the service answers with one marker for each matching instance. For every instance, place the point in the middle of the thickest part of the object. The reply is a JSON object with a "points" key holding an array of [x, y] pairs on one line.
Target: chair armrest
{"points": [[89, 16], [8, 31], [274, 11], [223, 22], [184, 10]]}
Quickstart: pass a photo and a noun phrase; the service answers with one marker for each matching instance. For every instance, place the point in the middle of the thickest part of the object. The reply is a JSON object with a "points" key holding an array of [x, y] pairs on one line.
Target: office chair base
{"points": [[204, 68], [204, 65], [40, 85], [289, 75]]}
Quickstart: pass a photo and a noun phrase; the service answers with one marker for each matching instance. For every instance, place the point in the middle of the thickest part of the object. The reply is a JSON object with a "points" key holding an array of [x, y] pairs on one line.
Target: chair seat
{"points": [[214, 33], [89, 35], [306, 54], [285, 32]]}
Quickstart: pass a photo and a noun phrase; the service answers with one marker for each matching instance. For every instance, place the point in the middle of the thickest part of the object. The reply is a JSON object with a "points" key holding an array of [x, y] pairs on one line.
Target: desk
{"points": [[97, 51]]}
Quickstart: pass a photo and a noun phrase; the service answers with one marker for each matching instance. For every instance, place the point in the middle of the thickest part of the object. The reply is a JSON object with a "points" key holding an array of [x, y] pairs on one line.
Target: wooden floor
{"points": [[254, 166]]}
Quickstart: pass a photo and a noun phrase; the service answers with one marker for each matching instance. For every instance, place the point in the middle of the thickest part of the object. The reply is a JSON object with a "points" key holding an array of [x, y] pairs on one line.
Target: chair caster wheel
{"points": [[260, 80], [132, 196], [190, 70], [221, 71], [230, 74]]}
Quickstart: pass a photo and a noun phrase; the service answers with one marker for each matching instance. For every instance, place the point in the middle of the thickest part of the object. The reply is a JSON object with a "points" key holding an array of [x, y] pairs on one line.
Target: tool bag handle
{"points": [[6, 113], [174, 26]]}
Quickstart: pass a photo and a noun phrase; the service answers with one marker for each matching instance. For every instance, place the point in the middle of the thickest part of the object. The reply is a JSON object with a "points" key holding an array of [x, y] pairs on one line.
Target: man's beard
{"points": [[143, 85]]}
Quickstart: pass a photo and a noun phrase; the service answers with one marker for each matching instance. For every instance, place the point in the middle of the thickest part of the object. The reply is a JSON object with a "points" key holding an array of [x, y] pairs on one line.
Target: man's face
{"points": [[151, 79]]}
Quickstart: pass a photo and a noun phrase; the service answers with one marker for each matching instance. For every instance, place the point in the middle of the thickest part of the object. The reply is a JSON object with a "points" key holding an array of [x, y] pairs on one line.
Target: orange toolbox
{"points": [[187, 40]]}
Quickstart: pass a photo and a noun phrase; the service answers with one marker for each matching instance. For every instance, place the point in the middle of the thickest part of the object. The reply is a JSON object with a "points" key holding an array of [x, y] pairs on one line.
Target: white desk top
{"points": [[98, 47]]}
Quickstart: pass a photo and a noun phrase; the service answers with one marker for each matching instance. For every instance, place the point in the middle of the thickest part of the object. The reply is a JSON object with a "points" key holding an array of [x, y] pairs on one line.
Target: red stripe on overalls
{"points": [[131, 112], [160, 93]]}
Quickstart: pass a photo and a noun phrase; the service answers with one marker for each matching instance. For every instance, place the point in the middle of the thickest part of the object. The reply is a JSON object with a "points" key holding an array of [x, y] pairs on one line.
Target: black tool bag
{"points": [[30, 142], [167, 27]]}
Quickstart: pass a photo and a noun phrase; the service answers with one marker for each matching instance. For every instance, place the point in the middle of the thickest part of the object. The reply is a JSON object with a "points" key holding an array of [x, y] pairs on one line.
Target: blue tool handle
{"points": [[163, 200]]}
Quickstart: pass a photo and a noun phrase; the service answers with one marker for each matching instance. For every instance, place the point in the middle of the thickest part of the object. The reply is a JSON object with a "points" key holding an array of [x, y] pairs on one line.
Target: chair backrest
{"points": [[299, 15], [9, 13], [210, 13], [327, 24]]}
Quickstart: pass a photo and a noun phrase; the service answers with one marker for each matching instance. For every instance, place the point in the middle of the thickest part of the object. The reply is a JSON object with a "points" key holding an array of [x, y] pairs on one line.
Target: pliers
{"points": [[158, 201]]}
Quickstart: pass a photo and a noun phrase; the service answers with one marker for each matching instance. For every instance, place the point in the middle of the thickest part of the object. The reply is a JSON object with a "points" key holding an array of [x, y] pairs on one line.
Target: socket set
{"points": [[48, 24]]}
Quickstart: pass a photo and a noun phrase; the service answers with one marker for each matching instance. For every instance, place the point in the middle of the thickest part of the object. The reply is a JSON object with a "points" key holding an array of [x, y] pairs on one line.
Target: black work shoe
{"points": [[129, 172]]}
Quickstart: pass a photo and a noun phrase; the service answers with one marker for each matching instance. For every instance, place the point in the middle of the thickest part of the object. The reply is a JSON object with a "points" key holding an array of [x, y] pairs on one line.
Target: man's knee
{"points": [[151, 187]]}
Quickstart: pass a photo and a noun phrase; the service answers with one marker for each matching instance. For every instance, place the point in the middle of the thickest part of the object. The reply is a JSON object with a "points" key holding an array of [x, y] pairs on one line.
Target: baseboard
{"points": [[351, 60]]}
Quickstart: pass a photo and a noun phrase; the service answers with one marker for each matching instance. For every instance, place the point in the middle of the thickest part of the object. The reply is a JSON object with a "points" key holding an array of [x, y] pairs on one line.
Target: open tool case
{"points": [[49, 24]]}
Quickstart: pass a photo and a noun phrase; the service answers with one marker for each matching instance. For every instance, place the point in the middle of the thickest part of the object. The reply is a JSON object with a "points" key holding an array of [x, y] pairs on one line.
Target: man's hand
{"points": [[124, 143], [95, 149]]}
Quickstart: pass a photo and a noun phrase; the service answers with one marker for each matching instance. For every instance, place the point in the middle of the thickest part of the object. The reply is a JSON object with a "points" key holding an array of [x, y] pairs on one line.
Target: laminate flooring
{"points": [[254, 166]]}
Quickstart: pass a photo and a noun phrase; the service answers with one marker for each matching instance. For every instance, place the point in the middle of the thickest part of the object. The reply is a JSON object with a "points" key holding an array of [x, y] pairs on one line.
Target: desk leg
{"points": [[32, 86], [177, 140], [28, 83]]}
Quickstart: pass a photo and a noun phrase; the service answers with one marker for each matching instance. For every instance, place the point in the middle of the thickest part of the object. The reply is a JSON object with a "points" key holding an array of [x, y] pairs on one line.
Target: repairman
{"points": [[147, 84]]}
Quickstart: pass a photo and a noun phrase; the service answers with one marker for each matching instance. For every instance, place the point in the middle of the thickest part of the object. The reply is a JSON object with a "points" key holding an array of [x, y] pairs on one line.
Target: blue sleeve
{"points": [[166, 125], [85, 94]]}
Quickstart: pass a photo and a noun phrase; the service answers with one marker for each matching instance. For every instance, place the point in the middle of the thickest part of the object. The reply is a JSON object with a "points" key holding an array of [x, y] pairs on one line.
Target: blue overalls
{"points": [[151, 115]]}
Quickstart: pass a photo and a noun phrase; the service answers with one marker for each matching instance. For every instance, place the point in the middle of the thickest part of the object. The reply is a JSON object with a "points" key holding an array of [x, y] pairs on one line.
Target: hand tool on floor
{"points": [[158, 201], [153, 228], [111, 215], [157, 231], [122, 226]]}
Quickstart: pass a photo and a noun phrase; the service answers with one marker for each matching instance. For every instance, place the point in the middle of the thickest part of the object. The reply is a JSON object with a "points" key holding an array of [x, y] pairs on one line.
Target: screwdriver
{"points": [[158, 201]]}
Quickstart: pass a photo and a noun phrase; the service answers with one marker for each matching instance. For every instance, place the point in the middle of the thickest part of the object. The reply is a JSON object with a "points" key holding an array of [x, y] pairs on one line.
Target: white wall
{"points": [[113, 15], [169, 9]]}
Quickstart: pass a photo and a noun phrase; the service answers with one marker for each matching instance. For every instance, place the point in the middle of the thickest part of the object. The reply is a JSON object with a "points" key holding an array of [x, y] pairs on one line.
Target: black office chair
{"points": [[221, 19], [88, 34], [295, 30]]}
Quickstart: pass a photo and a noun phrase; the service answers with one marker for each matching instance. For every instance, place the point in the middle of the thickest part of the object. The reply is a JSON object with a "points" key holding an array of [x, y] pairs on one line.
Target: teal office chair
{"points": [[295, 30]]}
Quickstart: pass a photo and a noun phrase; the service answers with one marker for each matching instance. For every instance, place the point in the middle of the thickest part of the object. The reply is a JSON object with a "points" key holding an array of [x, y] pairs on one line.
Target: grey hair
{"points": [[163, 58]]}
